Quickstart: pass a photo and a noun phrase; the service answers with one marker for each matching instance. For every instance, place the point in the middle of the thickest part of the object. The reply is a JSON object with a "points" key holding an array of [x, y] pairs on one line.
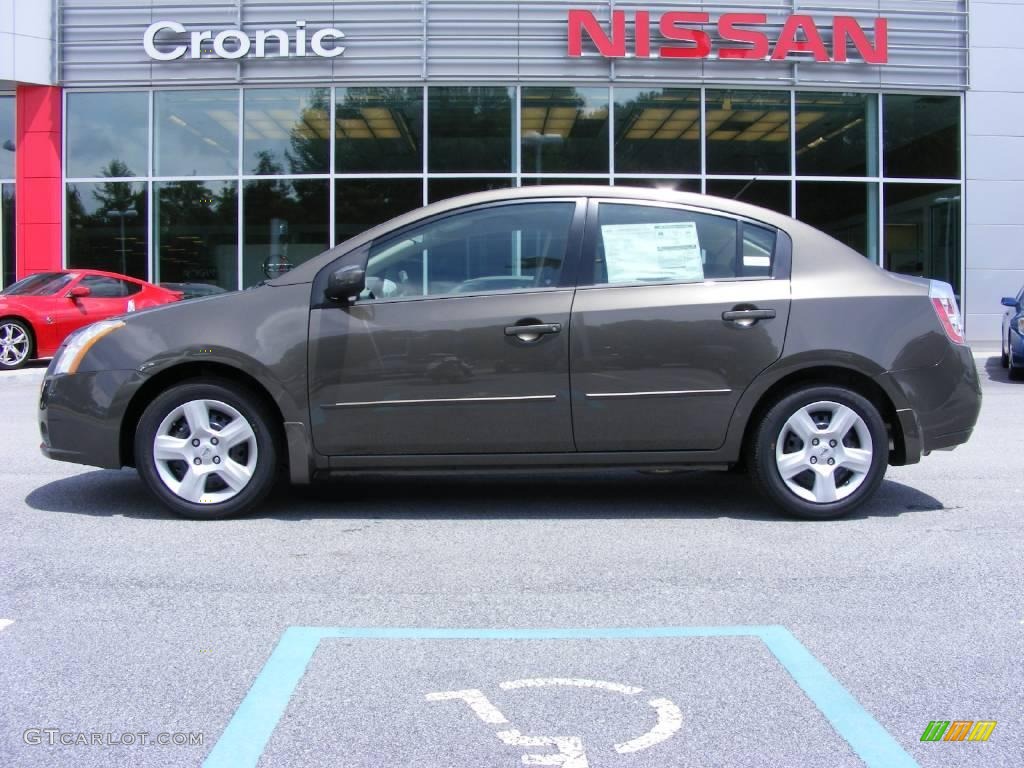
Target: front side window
{"points": [[499, 248], [649, 244], [101, 287]]}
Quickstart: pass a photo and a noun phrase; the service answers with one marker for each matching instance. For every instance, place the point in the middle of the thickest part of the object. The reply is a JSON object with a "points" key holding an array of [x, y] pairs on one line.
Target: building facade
{"points": [[209, 142]]}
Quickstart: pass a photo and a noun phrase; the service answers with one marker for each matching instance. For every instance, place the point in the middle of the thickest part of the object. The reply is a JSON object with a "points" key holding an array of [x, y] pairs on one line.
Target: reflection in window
{"points": [[106, 227], [378, 130], [500, 248], [471, 129], [364, 203], [672, 185], [286, 224], [564, 130], [922, 231], [107, 134], [774, 195], [442, 189], [922, 136], [287, 130], [7, 131], [747, 132], [832, 134], [197, 232], [657, 130], [7, 230], [848, 211], [547, 181], [196, 132], [648, 244]]}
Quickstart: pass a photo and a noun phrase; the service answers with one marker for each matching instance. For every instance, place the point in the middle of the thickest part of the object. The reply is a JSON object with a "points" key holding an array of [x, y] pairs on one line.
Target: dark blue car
{"points": [[1012, 343]]}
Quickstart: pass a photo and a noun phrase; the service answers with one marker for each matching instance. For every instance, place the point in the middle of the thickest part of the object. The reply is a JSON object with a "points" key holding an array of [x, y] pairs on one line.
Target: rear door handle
{"points": [[532, 332], [747, 316]]}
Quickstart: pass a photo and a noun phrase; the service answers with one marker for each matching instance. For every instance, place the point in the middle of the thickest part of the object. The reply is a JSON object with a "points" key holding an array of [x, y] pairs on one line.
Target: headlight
{"points": [[1020, 325], [81, 342]]}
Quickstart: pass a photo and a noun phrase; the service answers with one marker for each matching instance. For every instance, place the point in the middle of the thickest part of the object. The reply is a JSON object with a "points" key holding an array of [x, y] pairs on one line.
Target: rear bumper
{"points": [[940, 403], [80, 416]]}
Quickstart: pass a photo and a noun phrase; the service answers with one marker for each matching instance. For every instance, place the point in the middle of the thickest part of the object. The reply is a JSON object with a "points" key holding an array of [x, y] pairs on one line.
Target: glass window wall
{"points": [[378, 130], [106, 227], [107, 134], [287, 222], [196, 133], [657, 130], [564, 130], [287, 130], [7, 133], [747, 132], [483, 138], [470, 129], [197, 232], [7, 230]]}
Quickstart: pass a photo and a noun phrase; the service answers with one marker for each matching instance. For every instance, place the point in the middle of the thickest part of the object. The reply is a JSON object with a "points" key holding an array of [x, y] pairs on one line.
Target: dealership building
{"points": [[210, 142]]}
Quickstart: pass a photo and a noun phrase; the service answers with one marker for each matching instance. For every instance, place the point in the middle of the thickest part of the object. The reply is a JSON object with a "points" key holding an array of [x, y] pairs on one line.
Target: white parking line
{"points": [[5, 623]]}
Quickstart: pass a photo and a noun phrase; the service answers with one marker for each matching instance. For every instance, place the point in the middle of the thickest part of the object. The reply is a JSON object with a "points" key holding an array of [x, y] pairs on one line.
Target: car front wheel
{"points": [[206, 449], [1016, 373], [15, 344], [820, 452]]}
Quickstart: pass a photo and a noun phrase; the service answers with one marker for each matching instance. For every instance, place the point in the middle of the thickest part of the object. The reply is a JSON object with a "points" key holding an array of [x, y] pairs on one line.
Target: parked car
{"points": [[1012, 343], [38, 312], [529, 328], [193, 290]]}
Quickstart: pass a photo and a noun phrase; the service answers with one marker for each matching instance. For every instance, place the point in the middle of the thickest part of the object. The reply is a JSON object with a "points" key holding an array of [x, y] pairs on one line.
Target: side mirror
{"points": [[79, 292], [346, 283], [1009, 301]]}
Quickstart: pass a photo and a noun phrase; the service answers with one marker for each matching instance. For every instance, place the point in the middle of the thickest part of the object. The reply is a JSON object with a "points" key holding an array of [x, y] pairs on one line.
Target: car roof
{"points": [[99, 273]]}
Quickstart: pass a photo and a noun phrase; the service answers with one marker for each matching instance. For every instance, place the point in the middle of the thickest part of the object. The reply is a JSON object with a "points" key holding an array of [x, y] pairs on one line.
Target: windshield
{"points": [[43, 284]]}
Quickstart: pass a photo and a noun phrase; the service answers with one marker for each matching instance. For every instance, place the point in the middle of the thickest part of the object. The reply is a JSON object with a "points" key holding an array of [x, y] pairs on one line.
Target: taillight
{"points": [[944, 303]]}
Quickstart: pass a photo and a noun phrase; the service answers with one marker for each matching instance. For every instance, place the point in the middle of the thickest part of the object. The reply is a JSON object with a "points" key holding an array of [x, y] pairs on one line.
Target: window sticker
{"points": [[652, 252]]}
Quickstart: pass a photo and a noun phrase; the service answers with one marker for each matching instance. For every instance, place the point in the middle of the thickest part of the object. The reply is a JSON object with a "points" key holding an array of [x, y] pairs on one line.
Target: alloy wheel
{"points": [[205, 451], [824, 452], [14, 344]]}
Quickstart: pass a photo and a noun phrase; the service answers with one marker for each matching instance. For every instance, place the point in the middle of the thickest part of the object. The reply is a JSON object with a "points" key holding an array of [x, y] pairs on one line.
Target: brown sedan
{"points": [[542, 327]]}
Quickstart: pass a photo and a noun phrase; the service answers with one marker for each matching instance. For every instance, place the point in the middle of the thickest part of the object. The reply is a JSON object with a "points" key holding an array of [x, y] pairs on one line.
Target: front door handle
{"points": [[532, 332], [747, 317]]}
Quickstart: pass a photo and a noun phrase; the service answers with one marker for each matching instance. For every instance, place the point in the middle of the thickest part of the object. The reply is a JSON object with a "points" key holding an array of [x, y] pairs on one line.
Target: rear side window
{"points": [[651, 244]]}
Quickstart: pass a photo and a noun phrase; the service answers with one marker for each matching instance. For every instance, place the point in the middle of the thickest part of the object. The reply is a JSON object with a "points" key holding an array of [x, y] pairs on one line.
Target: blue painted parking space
{"points": [[470, 709]]}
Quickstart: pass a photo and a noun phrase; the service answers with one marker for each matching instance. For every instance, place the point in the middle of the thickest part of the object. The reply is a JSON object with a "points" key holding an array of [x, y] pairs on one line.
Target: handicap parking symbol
{"points": [[655, 719]]}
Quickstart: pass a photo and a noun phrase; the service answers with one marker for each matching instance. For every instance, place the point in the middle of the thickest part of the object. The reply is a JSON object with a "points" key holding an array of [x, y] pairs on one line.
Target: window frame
{"points": [[361, 255], [781, 260]]}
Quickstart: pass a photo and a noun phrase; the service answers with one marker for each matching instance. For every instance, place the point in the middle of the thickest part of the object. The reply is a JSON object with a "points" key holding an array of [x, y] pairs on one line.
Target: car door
{"points": [[680, 310], [459, 344], [107, 297]]}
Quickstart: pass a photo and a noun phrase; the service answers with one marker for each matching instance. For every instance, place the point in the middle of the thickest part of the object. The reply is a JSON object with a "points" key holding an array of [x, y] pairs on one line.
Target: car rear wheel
{"points": [[1004, 353], [819, 452], [15, 344], [206, 449]]}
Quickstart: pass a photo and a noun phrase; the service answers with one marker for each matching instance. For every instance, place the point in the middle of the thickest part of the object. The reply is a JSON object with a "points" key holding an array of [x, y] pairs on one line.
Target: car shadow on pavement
{"points": [[520, 495], [995, 371]]}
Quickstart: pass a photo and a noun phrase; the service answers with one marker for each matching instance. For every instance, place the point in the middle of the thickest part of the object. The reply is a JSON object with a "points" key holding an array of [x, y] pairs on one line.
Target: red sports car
{"points": [[38, 312]]}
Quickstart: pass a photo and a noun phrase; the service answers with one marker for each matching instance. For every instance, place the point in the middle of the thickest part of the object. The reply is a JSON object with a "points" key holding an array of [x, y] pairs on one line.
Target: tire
{"points": [[231, 478], [1016, 373], [16, 345], [815, 489], [1004, 354]]}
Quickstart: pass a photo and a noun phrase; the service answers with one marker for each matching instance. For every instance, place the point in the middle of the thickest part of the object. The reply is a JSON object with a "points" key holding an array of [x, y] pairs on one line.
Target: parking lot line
{"points": [[5, 623], [253, 723]]}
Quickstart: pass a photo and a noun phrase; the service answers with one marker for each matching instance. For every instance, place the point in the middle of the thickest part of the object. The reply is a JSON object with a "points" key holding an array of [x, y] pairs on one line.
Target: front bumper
{"points": [[941, 402], [80, 416]]}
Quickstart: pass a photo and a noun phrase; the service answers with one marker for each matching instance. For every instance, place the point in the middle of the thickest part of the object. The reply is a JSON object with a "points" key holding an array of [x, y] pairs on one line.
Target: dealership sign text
{"points": [[234, 43], [683, 37]]}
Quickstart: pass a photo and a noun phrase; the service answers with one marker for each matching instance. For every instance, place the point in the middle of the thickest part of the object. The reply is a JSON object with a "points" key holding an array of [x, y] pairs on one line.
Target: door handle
{"points": [[532, 332], [747, 317]]}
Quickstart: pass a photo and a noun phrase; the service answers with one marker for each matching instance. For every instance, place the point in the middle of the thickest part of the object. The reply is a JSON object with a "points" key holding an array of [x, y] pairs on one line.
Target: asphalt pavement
{"points": [[674, 620]]}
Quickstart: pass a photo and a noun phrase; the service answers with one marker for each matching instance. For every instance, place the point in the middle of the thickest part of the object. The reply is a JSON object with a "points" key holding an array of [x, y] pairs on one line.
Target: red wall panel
{"points": [[38, 179]]}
